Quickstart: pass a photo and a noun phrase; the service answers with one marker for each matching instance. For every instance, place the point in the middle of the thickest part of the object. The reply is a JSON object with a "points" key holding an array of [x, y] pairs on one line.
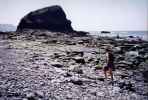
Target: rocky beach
{"points": [[38, 67], [46, 59]]}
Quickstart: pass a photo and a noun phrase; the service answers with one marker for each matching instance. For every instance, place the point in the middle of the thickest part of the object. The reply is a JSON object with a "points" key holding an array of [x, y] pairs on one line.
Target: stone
{"points": [[25, 99], [57, 55], [31, 96], [51, 18], [76, 68], [39, 94], [79, 60], [120, 58], [145, 74], [11, 94], [115, 90], [76, 81], [124, 64], [117, 49], [50, 41], [68, 74], [126, 86], [132, 53], [57, 64], [100, 93], [74, 53]]}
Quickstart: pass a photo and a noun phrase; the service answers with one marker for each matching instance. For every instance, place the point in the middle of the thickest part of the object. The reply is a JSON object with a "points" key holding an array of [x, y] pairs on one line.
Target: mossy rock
{"points": [[98, 67]]}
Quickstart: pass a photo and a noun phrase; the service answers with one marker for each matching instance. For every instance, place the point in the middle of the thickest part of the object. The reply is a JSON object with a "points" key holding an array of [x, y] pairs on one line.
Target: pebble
{"points": [[71, 76]]}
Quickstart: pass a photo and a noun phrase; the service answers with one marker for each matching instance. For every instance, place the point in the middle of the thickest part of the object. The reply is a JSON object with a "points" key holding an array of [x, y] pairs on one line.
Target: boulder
{"points": [[51, 18]]}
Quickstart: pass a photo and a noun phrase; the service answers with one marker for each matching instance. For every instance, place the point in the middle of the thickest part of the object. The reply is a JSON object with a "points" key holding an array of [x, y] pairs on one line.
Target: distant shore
{"points": [[140, 34]]}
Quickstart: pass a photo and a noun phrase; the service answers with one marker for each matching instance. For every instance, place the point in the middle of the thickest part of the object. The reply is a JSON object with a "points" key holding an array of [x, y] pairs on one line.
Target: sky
{"points": [[86, 15]]}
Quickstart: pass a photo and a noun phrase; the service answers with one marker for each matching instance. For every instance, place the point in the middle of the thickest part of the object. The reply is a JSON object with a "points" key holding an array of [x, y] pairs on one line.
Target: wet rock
{"points": [[34, 95], [75, 53], [132, 53], [136, 47], [24, 99], [79, 60], [0, 94], [68, 74], [69, 96], [11, 94], [50, 41], [123, 76], [81, 42], [143, 51], [57, 64], [90, 59], [117, 50], [76, 81], [126, 85], [101, 93], [124, 64], [76, 68], [115, 90], [145, 74], [31, 96], [119, 58], [56, 55], [40, 94], [69, 42]]}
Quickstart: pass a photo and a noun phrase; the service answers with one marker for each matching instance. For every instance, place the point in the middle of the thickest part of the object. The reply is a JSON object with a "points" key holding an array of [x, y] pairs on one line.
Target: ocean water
{"points": [[141, 34]]}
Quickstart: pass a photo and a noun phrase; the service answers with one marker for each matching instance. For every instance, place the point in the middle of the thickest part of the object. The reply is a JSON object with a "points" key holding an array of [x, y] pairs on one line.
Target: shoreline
{"points": [[43, 67]]}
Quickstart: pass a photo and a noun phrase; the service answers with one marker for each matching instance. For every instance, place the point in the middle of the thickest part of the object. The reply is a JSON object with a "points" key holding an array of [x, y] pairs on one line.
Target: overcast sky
{"points": [[86, 15]]}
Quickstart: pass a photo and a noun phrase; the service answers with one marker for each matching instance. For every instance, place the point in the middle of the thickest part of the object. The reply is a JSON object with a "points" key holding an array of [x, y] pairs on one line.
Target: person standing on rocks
{"points": [[109, 63]]}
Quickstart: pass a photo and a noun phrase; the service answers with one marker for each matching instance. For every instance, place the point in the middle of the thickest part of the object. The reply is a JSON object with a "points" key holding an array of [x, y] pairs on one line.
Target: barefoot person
{"points": [[109, 63]]}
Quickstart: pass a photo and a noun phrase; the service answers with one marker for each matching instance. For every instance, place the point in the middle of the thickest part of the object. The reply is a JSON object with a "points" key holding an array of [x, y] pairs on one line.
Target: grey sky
{"points": [[87, 15]]}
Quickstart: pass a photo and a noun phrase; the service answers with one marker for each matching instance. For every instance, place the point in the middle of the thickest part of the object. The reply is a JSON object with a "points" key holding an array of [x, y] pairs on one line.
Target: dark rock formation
{"points": [[50, 18], [105, 32]]}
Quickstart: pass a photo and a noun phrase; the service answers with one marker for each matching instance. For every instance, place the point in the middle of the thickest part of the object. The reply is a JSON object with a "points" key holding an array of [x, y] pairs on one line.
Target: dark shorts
{"points": [[109, 65]]}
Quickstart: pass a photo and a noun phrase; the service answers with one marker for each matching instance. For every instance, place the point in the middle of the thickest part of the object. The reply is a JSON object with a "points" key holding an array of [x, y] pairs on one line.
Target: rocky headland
{"points": [[50, 18]]}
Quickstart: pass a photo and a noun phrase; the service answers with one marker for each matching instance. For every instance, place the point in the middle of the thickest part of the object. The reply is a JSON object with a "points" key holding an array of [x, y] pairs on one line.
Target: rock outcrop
{"points": [[51, 18]]}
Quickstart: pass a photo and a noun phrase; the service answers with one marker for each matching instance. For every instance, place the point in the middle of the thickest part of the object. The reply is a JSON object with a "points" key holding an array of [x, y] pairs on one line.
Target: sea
{"points": [[140, 34]]}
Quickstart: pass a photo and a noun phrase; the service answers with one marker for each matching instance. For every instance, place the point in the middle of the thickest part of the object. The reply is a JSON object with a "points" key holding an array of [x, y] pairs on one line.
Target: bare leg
{"points": [[105, 73], [111, 73]]}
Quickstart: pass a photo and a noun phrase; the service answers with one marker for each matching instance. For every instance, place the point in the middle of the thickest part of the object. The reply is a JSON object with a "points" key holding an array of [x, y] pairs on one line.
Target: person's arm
{"points": [[107, 58]]}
